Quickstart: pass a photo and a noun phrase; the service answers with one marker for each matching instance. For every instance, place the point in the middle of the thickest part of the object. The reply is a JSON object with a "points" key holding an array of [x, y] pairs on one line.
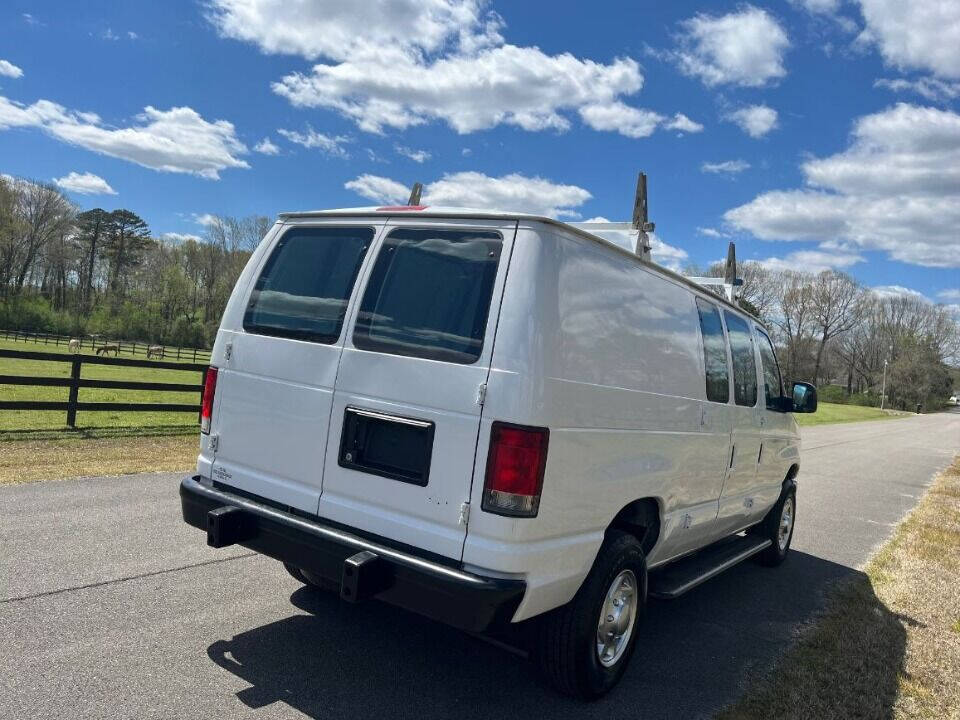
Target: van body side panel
{"points": [[605, 353], [275, 393], [444, 394]]}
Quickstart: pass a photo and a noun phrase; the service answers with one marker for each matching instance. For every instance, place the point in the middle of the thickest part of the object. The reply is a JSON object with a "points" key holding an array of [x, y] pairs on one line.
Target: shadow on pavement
{"points": [[694, 655]]}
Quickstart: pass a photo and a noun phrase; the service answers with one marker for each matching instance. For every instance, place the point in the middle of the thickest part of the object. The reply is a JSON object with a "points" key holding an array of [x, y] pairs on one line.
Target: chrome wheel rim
{"points": [[617, 617], [786, 524]]}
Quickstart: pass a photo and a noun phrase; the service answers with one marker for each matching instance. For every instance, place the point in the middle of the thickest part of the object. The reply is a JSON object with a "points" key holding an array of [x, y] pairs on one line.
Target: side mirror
{"points": [[804, 398]]}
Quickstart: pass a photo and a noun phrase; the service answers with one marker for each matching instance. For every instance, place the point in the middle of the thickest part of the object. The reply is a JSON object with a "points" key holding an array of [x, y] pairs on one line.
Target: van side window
{"points": [[772, 382], [429, 294], [714, 352], [744, 361], [306, 282]]}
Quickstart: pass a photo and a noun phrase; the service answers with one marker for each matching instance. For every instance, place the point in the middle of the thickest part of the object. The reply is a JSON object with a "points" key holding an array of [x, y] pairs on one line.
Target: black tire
{"points": [[565, 643], [770, 529], [308, 578]]}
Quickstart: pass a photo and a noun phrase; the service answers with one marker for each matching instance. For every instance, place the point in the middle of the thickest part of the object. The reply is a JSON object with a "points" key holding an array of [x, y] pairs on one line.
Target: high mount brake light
{"points": [[515, 465], [206, 407]]}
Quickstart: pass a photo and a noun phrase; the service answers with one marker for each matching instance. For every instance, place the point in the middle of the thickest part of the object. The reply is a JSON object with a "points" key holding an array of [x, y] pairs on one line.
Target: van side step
{"points": [[677, 578]]}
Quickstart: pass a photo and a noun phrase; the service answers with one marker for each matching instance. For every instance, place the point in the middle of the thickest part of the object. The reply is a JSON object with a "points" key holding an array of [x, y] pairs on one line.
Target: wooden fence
{"points": [[133, 347], [75, 382]]}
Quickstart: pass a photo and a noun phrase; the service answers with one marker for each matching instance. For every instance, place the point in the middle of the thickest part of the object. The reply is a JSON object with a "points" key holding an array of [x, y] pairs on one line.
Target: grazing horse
{"points": [[74, 345], [155, 351], [108, 348]]}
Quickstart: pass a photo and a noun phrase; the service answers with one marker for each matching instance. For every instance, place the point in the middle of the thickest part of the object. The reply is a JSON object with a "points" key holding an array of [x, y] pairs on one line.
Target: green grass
{"points": [[834, 413], [29, 424]]}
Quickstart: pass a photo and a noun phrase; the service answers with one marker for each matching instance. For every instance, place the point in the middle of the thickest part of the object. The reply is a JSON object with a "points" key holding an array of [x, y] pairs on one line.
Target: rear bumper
{"points": [[448, 594]]}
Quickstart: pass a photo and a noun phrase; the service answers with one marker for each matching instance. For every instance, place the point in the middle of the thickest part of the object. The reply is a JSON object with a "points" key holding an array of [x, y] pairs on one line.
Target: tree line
{"points": [[846, 338], [102, 272]]}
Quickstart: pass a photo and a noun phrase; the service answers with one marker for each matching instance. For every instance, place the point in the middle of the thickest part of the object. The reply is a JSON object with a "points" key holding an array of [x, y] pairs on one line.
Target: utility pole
{"points": [[883, 391]]}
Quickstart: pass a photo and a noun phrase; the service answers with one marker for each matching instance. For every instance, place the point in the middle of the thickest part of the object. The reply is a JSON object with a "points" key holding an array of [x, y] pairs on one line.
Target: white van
{"points": [[490, 417]]}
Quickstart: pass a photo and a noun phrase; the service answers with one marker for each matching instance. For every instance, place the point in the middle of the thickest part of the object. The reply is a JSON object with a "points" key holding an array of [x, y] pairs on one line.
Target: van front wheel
{"points": [[778, 526], [583, 647]]}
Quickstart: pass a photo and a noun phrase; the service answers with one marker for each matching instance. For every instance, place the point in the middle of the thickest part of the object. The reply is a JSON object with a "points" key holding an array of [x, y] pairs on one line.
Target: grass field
{"points": [[836, 413], [16, 424], [888, 642]]}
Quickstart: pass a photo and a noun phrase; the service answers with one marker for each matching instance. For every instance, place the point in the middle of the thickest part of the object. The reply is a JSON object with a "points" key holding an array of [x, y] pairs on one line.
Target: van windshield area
{"points": [[429, 294], [303, 290]]}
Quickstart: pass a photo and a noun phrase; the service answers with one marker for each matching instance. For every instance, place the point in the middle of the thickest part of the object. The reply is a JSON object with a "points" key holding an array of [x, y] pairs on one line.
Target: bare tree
{"points": [[834, 302]]}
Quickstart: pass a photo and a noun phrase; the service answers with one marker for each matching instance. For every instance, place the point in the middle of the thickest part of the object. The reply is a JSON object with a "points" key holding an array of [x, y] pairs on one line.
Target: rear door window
{"points": [[714, 352], [772, 382], [306, 282], [429, 294], [744, 361]]}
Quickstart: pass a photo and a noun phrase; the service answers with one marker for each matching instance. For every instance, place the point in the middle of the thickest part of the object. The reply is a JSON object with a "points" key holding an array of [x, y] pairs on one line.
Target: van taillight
{"points": [[515, 464], [206, 407]]}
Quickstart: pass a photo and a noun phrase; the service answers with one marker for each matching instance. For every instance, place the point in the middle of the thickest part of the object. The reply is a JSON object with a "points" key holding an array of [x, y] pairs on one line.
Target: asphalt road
{"points": [[111, 607]]}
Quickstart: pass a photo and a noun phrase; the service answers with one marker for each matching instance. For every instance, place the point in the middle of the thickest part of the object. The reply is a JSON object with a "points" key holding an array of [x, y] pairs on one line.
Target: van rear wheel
{"points": [[308, 578], [583, 648]]}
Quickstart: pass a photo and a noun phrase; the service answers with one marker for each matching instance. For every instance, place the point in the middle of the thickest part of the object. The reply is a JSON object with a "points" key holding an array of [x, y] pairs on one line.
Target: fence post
{"points": [[74, 390], [178, 352]]}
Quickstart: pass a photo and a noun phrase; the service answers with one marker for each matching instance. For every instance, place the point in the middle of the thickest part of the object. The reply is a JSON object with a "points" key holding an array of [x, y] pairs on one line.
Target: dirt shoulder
{"points": [[887, 644], [58, 458]]}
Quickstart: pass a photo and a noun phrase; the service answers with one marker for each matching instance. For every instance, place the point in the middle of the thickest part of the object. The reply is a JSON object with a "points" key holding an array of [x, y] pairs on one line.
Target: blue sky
{"points": [[815, 133]]}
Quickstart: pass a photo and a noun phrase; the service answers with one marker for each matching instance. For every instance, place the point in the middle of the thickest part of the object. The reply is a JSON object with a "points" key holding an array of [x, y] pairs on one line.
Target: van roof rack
{"points": [[730, 283], [639, 226], [638, 229]]}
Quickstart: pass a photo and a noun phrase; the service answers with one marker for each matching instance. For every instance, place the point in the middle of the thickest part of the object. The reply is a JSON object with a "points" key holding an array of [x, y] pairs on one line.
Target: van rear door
{"points": [[406, 408], [275, 386]]}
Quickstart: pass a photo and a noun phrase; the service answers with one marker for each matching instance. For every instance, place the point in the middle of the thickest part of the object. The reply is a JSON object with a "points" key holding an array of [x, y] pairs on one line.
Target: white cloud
{"points": [[949, 294], [818, 7], [812, 261], [621, 118], [682, 123], [917, 35], [177, 238], [379, 189], [85, 184], [896, 189], [8, 69], [412, 62], [267, 147], [929, 88], [667, 255], [729, 167], [31, 20], [897, 291], [174, 140], [132, 35], [711, 232], [634, 122], [742, 48], [755, 120], [206, 219], [330, 144], [340, 29], [513, 192], [418, 156]]}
